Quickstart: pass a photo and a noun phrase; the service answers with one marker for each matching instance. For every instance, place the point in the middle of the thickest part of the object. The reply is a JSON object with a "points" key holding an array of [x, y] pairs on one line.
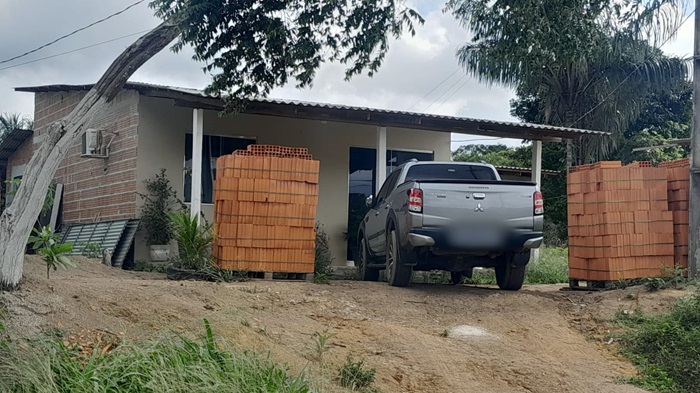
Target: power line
{"points": [[434, 88], [476, 140], [445, 92], [72, 33], [631, 73], [451, 95], [74, 50]]}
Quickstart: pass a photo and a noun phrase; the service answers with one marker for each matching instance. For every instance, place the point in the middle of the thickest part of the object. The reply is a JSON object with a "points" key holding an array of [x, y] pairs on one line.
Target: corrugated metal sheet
{"points": [[122, 249], [147, 87], [13, 141], [106, 234]]}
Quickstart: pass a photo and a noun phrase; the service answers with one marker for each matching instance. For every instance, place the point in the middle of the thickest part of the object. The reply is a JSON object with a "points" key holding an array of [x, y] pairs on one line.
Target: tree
{"points": [[14, 121], [584, 63], [248, 46]]}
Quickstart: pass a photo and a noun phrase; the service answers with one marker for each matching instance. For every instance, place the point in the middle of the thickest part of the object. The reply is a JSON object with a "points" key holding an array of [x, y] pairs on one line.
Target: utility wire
{"points": [[434, 88], [445, 92], [72, 33], [451, 95], [74, 50], [631, 73]]}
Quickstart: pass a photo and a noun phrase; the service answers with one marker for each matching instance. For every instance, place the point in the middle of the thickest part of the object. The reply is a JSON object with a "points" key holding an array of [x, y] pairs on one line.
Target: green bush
{"points": [[666, 348], [160, 199], [323, 258], [166, 365], [47, 243], [355, 376], [194, 240]]}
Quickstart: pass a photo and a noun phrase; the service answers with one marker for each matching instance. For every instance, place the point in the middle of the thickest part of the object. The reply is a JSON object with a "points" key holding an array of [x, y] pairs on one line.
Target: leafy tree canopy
{"points": [[252, 46]]}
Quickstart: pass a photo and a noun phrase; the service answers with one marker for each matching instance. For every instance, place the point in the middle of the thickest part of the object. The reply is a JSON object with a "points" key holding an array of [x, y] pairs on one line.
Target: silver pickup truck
{"points": [[450, 216]]}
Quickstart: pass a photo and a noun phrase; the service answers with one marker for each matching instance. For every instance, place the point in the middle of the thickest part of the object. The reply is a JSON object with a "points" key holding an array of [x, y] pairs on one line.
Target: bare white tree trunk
{"points": [[16, 221]]}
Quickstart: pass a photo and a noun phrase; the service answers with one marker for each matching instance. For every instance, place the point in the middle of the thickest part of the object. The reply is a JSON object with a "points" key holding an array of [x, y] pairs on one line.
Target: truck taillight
{"points": [[415, 200], [538, 203]]}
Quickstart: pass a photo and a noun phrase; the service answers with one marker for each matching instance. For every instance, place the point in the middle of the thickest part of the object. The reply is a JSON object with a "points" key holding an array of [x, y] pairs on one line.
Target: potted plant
{"points": [[158, 202]]}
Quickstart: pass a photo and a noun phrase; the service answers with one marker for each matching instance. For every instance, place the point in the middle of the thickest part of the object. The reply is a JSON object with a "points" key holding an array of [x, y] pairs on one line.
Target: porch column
{"points": [[536, 178], [197, 137], [381, 158], [537, 163]]}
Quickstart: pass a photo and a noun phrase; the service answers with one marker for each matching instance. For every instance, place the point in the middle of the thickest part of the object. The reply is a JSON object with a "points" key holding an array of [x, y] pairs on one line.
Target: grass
{"points": [[665, 348], [165, 365], [551, 268], [356, 376]]}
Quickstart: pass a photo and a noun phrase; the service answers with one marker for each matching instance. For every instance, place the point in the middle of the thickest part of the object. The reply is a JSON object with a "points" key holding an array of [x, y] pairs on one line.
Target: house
{"points": [[148, 127], [520, 174]]}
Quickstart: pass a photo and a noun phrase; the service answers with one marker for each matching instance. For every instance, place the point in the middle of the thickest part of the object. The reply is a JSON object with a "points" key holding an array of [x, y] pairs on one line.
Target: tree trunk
{"points": [[17, 220]]}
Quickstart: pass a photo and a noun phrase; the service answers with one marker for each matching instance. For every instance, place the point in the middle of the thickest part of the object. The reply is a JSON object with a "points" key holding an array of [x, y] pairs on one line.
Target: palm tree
{"points": [[584, 63], [14, 121]]}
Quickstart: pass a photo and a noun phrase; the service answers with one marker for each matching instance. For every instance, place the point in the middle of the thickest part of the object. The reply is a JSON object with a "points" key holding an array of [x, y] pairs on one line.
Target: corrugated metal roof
{"points": [[122, 249], [12, 141], [521, 169], [271, 106], [105, 234]]}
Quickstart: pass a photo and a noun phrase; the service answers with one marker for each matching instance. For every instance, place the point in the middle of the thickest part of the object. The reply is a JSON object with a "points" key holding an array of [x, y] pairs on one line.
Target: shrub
{"points": [[160, 199], [46, 243], [194, 240], [166, 365], [666, 348], [323, 258], [355, 376]]}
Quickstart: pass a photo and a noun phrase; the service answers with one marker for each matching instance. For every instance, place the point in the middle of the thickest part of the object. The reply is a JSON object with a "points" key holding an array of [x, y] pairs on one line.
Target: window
{"points": [[213, 147], [388, 186], [450, 172], [362, 183]]}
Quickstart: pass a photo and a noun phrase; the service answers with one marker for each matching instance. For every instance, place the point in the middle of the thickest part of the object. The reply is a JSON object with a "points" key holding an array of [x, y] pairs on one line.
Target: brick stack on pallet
{"points": [[620, 226], [678, 194], [265, 210]]}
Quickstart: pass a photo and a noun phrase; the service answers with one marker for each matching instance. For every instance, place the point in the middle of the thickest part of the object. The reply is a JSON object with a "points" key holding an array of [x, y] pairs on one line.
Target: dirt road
{"points": [[425, 338]]}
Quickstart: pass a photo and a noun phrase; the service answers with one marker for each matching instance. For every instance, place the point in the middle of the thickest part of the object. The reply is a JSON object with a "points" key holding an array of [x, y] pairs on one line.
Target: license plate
{"points": [[478, 239]]}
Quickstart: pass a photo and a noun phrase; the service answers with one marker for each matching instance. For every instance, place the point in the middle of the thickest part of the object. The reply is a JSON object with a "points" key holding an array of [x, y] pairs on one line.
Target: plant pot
{"points": [[160, 253], [176, 273]]}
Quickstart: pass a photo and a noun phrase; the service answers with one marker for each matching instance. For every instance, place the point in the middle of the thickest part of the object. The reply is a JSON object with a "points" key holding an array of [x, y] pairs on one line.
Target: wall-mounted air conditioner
{"points": [[94, 145]]}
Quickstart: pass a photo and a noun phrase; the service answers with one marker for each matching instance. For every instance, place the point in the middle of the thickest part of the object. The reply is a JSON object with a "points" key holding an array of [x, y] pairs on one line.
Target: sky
{"points": [[420, 73]]}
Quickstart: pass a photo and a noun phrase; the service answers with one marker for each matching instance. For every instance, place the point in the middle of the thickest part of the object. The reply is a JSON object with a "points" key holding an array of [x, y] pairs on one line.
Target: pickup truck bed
{"points": [[450, 216]]}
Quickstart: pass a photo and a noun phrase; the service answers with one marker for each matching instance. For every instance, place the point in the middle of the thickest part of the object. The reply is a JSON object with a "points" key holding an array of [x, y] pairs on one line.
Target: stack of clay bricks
{"points": [[678, 194], [620, 226], [265, 210]]}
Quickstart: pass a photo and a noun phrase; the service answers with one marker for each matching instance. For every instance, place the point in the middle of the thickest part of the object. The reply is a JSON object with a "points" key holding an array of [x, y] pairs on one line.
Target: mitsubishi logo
{"points": [[478, 208]]}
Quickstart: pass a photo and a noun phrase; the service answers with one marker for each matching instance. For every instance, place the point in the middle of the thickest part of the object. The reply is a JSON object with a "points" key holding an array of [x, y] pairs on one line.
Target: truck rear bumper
{"points": [[437, 239]]}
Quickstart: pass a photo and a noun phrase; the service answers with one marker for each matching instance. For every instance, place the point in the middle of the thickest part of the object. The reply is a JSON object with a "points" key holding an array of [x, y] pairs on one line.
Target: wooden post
{"points": [[197, 139], [694, 207], [381, 158]]}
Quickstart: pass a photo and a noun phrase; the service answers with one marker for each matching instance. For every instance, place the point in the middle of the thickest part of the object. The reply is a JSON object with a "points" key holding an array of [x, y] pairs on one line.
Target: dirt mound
{"points": [[424, 338]]}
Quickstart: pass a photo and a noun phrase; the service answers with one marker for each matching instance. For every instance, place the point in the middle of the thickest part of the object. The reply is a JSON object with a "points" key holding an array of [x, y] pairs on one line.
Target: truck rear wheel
{"points": [[397, 274], [509, 276], [366, 273]]}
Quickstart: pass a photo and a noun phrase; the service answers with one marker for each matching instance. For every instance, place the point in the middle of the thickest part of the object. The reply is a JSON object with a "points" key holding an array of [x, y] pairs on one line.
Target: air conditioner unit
{"points": [[93, 145]]}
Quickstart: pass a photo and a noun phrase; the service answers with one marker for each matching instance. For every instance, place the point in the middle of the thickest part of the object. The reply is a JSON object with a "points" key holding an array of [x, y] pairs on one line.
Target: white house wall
{"points": [[162, 129]]}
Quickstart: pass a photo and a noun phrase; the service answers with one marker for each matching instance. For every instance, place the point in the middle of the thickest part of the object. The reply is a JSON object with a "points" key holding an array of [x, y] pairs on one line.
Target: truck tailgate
{"points": [[473, 201]]}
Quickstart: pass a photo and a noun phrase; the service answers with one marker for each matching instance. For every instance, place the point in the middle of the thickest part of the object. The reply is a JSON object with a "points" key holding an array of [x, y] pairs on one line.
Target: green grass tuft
{"points": [[355, 376], [665, 348], [165, 365], [552, 268]]}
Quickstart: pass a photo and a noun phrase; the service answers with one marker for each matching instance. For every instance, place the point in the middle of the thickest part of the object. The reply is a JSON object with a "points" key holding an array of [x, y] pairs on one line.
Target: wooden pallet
{"points": [[590, 285], [281, 276]]}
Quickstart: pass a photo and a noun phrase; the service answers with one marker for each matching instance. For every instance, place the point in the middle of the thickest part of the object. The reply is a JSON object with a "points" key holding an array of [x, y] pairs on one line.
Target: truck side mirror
{"points": [[369, 201]]}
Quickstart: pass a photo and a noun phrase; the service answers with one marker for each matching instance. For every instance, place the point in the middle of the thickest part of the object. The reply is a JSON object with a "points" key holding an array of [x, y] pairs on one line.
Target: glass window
{"points": [[450, 172], [362, 183], [213, 147]]}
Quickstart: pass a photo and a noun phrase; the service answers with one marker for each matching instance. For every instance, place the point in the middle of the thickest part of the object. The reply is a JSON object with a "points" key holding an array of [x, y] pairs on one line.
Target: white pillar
{"points": [[537, 163], [197, 137], [381, 157], [536, 178]]}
